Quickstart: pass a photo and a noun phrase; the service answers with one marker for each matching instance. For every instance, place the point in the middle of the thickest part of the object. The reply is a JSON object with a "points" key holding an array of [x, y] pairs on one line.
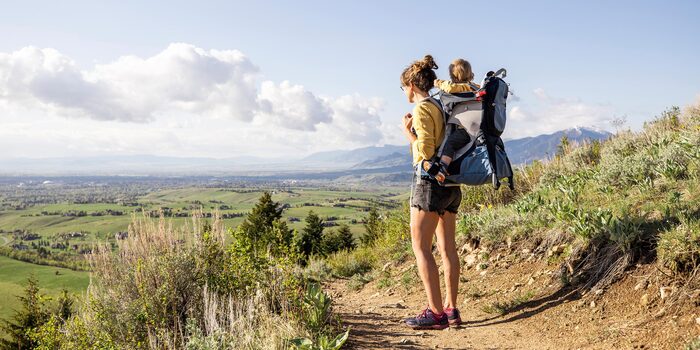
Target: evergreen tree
{"points": [[311, 237], [259, 223], [32, 315], [347, 241], [372, 228], [64, 309], [341, 239], [331, 242]]}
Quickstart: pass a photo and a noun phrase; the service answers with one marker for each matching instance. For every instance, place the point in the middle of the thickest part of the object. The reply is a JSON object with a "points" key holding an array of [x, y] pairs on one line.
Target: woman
{"points": [[433, 207]]}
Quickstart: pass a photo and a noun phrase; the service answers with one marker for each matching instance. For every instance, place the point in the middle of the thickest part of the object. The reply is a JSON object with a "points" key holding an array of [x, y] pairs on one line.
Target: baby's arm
{"points": [[450, 87]]}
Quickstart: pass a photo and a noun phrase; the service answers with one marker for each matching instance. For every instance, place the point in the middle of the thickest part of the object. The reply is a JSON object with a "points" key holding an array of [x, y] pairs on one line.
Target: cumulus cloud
{"points": [[131, 89], [355, 120], [292, 106], [178, 94], [555, 113]]}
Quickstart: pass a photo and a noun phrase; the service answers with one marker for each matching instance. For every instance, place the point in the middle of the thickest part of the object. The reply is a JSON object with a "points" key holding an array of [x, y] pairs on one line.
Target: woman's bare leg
{"points": [[450, 260], [423, 224]]}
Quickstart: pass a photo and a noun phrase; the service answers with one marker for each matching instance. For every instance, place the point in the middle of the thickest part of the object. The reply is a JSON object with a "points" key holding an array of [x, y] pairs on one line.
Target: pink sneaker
{"points": [[453, 316], [428, 320]]}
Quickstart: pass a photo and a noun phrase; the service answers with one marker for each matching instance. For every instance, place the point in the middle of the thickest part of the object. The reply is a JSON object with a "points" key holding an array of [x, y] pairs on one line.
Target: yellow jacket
{"points": [[430, 128], [450, 87]]}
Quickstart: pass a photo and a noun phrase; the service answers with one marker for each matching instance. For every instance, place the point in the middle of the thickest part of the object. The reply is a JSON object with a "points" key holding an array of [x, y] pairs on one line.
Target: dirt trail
{"points": [[515, 307]]}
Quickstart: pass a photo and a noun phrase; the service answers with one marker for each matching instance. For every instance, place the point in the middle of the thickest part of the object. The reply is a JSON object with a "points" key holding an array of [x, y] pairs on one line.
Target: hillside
{"points": [[598, 248], [525, 150]]}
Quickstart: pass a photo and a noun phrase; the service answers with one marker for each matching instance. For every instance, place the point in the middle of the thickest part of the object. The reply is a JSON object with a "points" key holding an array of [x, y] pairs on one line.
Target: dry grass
{"points": [[152, 293]]}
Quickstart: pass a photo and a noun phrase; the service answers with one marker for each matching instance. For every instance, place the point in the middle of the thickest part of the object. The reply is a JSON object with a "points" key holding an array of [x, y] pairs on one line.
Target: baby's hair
{"points": [[461, 71], [420, 73]]}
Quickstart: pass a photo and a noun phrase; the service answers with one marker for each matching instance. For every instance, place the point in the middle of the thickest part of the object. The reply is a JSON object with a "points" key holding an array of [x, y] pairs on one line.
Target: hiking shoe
{"points": [[428, 320], [453, 316]]}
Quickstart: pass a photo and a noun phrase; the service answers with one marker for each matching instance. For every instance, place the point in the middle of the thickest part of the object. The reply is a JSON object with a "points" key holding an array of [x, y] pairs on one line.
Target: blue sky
{"points": [[570, 64]]}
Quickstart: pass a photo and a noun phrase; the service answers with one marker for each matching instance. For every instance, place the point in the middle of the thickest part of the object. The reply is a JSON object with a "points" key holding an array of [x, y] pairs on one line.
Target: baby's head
{"points": [[461, 71]]}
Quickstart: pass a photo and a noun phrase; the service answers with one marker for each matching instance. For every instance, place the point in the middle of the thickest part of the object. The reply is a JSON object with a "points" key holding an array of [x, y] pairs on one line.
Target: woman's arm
{"points": [[424, 124]]}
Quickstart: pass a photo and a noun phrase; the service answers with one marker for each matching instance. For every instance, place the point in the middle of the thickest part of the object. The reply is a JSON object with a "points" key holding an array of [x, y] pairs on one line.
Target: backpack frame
{"points": [[482, 114]]}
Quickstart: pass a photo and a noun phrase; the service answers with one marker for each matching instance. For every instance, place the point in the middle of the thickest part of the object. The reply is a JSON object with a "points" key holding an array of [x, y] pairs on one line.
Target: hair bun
{"points": [[429, 62]]}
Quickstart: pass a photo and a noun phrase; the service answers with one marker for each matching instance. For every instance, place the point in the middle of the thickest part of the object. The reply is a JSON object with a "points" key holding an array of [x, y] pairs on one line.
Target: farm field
{"points": [[341, 207], [59, 223], [13, 280]]}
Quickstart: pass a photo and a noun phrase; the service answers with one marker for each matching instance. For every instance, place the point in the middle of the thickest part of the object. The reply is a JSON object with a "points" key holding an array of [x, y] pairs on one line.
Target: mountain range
{"points": [[520, 151]]}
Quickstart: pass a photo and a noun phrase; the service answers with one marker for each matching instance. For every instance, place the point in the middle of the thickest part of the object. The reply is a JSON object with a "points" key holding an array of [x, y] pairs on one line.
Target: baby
{"points": [[461, 76]]}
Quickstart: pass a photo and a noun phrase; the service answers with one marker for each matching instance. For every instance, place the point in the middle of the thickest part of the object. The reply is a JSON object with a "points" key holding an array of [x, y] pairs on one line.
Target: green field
{"points": [[340, 206], [13, 279], [209, 200]]}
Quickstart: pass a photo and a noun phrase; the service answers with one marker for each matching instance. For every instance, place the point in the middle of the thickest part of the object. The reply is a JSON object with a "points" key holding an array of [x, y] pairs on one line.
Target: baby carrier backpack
{"points": [[483, 115]]}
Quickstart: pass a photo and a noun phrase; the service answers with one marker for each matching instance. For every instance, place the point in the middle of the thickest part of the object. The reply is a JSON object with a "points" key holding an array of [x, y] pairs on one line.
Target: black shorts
{"points": [[430, 196]]}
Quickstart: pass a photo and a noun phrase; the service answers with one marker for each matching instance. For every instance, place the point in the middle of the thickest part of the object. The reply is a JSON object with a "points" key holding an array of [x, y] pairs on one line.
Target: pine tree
{"points": [[311, 237], [259, 223], [372, 228], [32, 315], [64, 309], [330, 243], [347, 241], [341, 239]]}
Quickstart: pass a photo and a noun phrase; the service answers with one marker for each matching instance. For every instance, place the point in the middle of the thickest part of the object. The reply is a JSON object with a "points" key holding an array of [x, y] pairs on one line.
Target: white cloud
{"points": [[131, 89], [355, 120], [555, 113], [292, 106], [182, 101]]}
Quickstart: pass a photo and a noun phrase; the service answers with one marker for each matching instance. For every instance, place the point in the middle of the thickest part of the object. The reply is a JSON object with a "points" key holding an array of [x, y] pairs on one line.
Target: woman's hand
{"points": [[408, 126], [407, 122]]}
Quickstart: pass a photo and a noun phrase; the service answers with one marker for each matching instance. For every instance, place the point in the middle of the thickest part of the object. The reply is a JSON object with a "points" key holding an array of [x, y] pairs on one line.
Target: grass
{"points": [[357, 281], [178, 199], [474, 292], [502, 308], [13, 279]]}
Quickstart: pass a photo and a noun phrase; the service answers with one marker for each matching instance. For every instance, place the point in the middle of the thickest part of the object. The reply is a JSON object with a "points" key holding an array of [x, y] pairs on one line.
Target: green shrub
{"points": [[349, 263], [323, 342], [163, 283], [336, 240], [679, 247], [625, 231], [317, 270], [501, 225], [494, 224], [529, 203], [693, 344], [358, 281], [622, 172]]}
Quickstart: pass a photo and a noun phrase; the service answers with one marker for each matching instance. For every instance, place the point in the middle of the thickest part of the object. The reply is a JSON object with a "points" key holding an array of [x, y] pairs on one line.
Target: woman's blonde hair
{"points": [[461, 71], [420, 73]]}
